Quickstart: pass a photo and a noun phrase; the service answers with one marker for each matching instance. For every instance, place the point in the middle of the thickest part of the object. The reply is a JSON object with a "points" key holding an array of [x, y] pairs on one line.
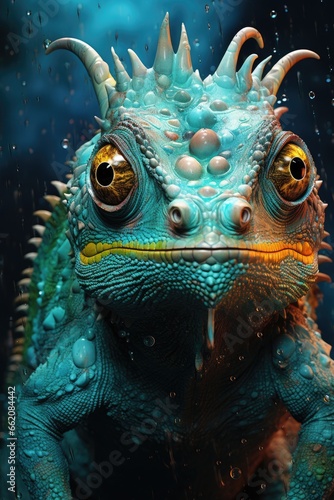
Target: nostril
{"points": [[235, 214], [245, 215], [183, 215], [175, 215]]}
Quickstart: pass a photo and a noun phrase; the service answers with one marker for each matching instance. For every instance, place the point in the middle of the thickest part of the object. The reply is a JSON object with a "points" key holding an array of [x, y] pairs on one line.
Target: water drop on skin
{"points": [[273, 14]]}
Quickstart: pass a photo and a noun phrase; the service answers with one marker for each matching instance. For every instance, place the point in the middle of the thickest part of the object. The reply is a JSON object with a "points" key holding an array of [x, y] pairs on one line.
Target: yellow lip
{"points": [[160, 251]]}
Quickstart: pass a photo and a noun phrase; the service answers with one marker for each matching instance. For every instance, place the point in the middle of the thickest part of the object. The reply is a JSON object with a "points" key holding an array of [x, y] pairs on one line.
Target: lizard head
{"points": [[192, 192]]}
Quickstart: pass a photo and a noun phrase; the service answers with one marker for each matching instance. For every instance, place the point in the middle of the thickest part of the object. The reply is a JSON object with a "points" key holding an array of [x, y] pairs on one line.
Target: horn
{"points": [[163, 63], [139, 70], [122, 78], [96, 67], [258, 71], [275, 76], [226, 71], [183, 66], [244, 75]]}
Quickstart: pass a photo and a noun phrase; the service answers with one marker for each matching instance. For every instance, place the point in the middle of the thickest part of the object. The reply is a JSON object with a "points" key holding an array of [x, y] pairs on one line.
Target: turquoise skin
{"points": [[169, 289]]}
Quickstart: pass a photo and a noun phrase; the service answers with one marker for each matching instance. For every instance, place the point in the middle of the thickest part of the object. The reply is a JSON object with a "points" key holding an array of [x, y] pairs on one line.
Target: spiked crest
{"points": [[175, 71]]}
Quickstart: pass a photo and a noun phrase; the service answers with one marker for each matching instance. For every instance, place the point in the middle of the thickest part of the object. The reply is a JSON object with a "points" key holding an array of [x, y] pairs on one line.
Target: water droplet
{"points": [[243, 441], [326, 398], [286, 8], [284, 98], [311, 94], [333, 101], [14, 147], [196, 42], [28, 12], [328, 79], [207, 8], [46, 43], [259, 335], [149, 341], [122, 334], [235, 473], [24, 83], [273, 14], [172, 394], [241, 358], [232, 378], [131, 355], [65, 143]]}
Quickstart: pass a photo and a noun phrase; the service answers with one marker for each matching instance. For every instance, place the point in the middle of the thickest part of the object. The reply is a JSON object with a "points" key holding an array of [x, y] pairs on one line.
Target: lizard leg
{"points": [[60, 394], [303, 375]]}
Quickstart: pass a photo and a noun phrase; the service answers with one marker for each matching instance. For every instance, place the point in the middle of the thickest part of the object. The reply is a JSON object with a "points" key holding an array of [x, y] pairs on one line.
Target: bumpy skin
{"points": [[194, 224]]}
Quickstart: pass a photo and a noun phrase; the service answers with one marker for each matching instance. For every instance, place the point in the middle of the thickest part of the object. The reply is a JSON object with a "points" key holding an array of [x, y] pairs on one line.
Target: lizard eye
{"points": [[111, 176], [290, 172]]}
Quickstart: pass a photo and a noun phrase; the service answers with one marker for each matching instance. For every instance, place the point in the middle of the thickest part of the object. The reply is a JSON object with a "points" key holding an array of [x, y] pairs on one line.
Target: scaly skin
{"points": [[195, 225]]}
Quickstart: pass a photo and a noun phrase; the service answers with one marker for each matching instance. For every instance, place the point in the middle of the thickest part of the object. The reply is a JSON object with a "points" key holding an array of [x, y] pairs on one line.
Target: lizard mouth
{"points": [[164, 252]]}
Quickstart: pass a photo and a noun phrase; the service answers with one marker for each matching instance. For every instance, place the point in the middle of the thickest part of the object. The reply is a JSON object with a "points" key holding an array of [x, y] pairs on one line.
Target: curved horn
{"points": [[228, 64], [244, 75], [96, 67], [258, 71], [275, 76]]}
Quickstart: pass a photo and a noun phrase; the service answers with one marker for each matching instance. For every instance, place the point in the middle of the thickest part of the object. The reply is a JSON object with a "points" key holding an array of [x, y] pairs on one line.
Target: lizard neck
{"points": [[186, 342]]}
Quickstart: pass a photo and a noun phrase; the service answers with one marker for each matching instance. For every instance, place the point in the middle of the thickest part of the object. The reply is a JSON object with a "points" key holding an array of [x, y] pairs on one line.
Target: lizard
{"points": [[167, 304]]}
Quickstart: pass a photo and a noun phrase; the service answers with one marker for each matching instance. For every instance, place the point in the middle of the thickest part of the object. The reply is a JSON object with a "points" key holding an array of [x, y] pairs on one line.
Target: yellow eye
{"points": [[291, 172], [111, 176]]}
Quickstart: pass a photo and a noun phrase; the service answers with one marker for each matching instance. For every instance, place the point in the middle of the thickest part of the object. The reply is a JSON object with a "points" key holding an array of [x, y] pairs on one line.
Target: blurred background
{"points": [[47, 103]]}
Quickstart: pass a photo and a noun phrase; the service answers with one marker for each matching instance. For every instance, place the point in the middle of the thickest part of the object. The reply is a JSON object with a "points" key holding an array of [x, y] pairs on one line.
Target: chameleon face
{"points": [[192, 192]]}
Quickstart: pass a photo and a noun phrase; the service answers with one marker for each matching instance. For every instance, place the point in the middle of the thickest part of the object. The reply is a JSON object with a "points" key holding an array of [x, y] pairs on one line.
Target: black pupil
{"points": [[297, 168], [104, 174]]}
